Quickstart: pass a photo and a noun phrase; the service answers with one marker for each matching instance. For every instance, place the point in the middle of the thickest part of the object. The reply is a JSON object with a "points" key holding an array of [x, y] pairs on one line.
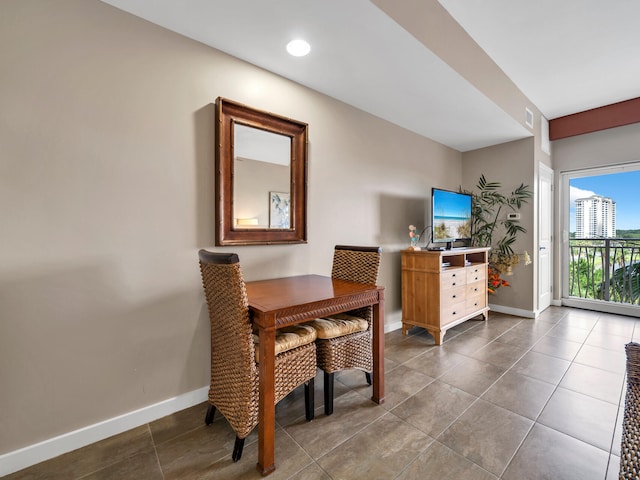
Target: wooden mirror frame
{"points": [[229, 113]]}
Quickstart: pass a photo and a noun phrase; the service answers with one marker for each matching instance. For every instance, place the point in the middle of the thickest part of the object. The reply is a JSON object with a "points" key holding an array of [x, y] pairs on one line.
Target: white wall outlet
{"points": [[513, 216]]}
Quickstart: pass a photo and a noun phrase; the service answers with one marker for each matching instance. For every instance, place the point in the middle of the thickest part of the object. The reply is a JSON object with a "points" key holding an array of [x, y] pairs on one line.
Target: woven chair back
{"points": [[234, 377], [356, 264]]}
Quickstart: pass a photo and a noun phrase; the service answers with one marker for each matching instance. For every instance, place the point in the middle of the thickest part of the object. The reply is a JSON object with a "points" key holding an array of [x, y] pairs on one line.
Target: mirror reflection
{"points": [[262, 179]]}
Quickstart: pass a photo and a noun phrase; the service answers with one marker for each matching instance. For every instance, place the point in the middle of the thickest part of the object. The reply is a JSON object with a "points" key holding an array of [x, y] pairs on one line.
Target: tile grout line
{"points": [[530, 349], [313, 460], [477, 398], [622, 403], [155, 451], [535, 422], [490, 386], [343, 441]]}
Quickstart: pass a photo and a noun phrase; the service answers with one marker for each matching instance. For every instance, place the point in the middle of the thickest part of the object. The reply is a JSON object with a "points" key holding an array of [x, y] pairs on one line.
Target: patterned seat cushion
{"points": [[338, 325], [288, 338]]}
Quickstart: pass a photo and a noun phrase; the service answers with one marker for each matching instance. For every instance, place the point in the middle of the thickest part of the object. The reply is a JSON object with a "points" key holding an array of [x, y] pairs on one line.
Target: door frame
{"points": [[548, 217]]}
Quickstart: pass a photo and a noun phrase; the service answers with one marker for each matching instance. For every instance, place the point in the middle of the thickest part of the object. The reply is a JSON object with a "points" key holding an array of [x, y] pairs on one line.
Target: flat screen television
{"points": [[450, 216]]}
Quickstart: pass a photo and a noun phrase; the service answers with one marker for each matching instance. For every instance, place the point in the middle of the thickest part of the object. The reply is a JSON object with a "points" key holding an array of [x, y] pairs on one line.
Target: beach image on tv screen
{"points": [[451, 216]]}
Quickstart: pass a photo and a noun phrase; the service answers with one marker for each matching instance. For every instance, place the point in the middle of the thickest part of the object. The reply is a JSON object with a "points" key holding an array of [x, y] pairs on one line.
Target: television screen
{"points": [[450, 215]]}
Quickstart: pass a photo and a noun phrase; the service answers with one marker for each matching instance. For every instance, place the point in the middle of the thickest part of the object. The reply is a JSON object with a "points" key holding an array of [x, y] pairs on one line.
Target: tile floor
{"points": [[511, 398]]}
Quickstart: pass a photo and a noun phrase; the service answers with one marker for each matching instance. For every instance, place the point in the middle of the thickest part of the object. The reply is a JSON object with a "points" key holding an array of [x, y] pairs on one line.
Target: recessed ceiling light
{"points": [[298, 48]]}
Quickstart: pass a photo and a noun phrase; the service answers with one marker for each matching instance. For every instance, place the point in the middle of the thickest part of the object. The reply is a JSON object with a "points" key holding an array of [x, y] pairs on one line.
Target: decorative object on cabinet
{"points": [[500, 232], [413, 237], [441, 289], [247, 141]]}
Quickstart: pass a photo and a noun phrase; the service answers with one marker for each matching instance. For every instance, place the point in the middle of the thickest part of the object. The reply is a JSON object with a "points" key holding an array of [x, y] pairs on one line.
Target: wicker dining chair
{"points": [[630, 448], [234, 364], [344, 339]]}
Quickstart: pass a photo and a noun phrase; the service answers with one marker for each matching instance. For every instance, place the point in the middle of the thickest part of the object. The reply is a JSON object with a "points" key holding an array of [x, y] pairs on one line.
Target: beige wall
{"points": [[510, 164], [600, 149], [106, 195]]}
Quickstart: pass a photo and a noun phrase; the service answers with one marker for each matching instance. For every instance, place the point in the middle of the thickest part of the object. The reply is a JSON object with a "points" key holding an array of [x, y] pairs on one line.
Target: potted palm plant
{"points": [[493, 228]]}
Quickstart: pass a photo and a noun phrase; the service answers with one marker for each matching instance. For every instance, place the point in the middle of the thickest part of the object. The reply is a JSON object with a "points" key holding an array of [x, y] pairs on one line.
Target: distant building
{"points": [[595, 217]]}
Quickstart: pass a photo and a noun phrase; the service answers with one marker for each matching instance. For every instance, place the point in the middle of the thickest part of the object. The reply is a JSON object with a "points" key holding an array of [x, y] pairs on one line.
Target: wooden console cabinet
{"points": [[441, 289]]}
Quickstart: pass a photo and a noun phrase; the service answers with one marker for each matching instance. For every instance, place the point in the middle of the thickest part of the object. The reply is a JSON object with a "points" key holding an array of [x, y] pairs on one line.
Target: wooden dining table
{"points": [[286, 301]]}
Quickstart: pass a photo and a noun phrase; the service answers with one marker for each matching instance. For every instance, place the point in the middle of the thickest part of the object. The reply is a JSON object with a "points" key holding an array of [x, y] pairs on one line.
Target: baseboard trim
{"points": [[518, 312], [392, 327], [39, 452], [602, 306], [393, 322]]}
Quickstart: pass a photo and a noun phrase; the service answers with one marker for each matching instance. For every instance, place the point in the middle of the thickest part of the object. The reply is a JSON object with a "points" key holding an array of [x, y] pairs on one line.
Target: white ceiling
{"points": [[565, 55]]}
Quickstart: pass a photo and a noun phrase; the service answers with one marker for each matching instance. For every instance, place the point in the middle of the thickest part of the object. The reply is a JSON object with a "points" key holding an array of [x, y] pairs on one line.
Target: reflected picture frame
{"points": [[279, 210]]}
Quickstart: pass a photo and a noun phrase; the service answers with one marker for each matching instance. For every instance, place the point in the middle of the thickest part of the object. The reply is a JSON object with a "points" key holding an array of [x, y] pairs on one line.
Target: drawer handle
{"points": [[454, 284], [476, 278], [453, 313], [453, 275], [453, 296], [475, 289]]}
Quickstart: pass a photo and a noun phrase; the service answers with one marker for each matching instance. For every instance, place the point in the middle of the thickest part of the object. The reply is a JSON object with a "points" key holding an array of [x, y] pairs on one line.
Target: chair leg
{"points": [[328, 393], [237, 449], [309, 400], [208, 419], [368, 375]]}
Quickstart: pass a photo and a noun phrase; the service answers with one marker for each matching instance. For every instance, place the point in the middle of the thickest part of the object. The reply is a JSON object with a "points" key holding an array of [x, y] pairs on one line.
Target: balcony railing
{"points": [[605, 269]]}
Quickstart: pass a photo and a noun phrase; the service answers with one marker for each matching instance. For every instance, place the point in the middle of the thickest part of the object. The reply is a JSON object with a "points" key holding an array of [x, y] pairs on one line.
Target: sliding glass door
{"points": [[601, 239]]}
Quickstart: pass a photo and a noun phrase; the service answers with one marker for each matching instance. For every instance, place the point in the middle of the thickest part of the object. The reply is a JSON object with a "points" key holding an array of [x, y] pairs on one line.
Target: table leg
{"points": [[267, 409], [378, 350]]}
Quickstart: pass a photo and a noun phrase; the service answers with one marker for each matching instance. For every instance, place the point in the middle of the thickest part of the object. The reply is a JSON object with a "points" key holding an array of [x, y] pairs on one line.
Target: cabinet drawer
{"points": [[453, 278], [453, 312], [476, 273], [452, 295], [476, 303], [475, 288]]}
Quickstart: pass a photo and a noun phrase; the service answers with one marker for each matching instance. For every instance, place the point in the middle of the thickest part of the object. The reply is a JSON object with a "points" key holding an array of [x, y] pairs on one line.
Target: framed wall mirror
{"points": [[261, 176]]}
